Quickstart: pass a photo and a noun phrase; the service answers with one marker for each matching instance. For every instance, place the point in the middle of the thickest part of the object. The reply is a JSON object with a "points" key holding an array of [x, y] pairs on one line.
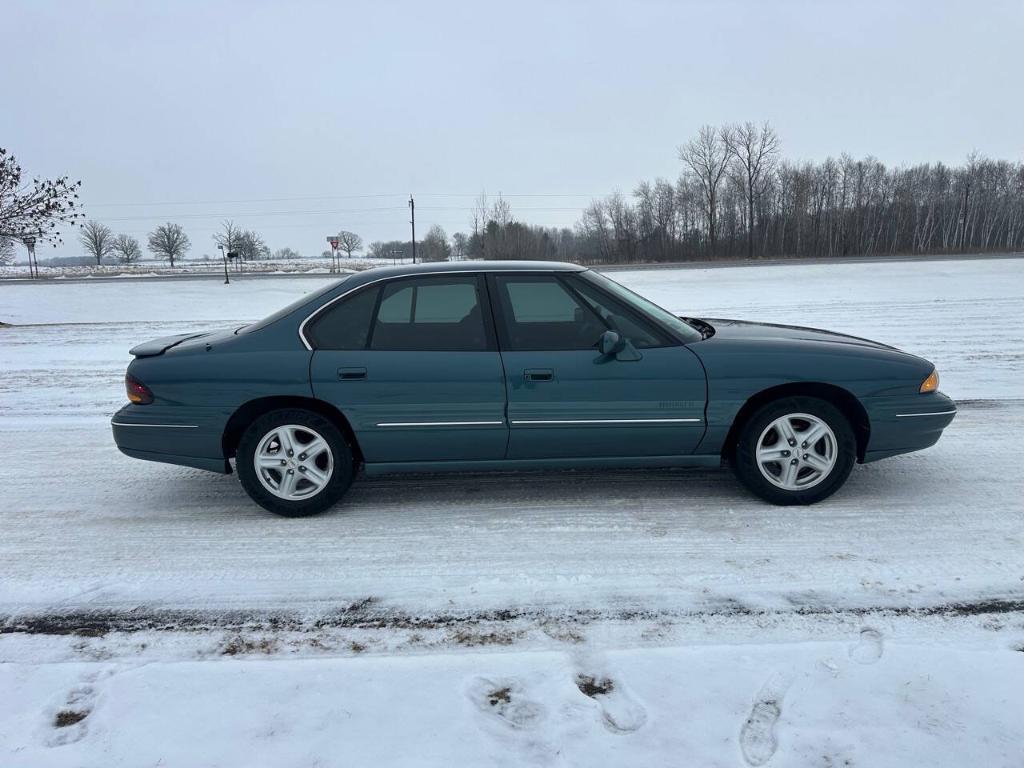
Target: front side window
{"points": [[540, 313], [632, 325], [679, 327], [430, 314]]}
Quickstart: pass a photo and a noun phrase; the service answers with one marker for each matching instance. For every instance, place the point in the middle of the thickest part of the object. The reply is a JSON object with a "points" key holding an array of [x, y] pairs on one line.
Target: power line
{"points": [[332, 212], [136, 204]]}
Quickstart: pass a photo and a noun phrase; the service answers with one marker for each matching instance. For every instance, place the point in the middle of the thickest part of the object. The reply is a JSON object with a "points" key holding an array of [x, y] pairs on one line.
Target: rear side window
{"points": [[441, 314], [346, 323]]}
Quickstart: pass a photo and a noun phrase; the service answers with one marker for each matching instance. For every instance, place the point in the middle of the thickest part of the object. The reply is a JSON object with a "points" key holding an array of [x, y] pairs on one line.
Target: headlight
{"points": [[931, 383]]}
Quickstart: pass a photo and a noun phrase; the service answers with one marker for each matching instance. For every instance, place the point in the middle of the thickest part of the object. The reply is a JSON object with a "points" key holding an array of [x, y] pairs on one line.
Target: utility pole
{"points": [[412, 207]]}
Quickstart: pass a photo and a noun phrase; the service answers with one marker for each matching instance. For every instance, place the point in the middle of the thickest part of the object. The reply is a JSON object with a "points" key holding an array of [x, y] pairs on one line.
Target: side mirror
{"points": [[611, 343]]}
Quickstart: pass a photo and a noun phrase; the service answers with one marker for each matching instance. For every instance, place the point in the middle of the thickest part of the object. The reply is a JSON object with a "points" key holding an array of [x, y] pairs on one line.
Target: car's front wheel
{"points": [[796, 450], [294, 462]]}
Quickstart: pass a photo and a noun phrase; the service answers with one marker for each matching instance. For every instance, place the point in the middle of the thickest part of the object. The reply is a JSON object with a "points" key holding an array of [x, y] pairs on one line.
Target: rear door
{"points": [[413, 365], [566, 400]]}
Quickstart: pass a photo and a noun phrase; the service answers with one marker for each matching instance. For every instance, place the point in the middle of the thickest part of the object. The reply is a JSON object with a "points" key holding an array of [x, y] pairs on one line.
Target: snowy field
{"points": [[151, 615]]}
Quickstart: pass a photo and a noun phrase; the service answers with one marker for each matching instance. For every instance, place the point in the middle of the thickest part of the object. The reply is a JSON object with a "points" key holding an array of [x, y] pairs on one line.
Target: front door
{"points": [[566, 400], [412, 364]]}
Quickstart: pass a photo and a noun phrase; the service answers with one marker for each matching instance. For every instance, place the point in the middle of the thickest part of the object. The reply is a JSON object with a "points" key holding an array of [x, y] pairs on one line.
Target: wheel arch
{"points": [[841, 398], [253, 409]]}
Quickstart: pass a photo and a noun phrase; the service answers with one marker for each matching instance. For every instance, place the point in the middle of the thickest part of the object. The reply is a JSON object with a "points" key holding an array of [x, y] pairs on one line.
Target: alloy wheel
{"points": [[796, 451], [293, 462]]}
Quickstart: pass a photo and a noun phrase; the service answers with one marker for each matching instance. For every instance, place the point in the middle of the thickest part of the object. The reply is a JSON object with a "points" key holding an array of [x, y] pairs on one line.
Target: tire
{"points": [[820, 468], [296, 484]]}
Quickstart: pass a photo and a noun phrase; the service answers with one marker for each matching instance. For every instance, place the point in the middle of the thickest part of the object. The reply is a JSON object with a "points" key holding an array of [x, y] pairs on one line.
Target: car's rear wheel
{"points": [[294, 462], [796, 450]]}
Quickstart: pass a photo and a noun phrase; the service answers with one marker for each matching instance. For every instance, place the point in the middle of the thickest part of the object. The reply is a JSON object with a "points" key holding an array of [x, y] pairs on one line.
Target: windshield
{"points": [[306, 298], [681, 328]]}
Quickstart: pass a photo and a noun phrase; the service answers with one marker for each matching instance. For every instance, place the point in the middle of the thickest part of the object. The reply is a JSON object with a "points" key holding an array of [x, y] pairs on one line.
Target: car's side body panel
{"points": [[198, 384], [740, 365], [581, 403], [901, 424], [406, 406]]}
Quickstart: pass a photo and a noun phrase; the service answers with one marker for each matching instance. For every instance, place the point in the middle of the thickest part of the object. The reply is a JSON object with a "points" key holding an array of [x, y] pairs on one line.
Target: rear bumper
{"points": [[173, 435], [906, 424]]}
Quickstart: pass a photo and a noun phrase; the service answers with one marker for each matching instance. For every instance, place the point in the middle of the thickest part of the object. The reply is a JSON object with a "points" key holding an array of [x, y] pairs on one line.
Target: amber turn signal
{"points": [[138, 392], [931, 383]]}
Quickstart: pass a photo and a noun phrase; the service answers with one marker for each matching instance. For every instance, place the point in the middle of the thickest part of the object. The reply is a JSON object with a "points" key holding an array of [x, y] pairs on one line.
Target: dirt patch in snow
{"points": [[467, 628], [594, 686], [67, 717]]}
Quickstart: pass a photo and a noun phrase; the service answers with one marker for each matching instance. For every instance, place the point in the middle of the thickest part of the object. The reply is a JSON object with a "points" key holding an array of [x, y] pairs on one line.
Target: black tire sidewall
{"points": [[341, 479], [745, 463]]}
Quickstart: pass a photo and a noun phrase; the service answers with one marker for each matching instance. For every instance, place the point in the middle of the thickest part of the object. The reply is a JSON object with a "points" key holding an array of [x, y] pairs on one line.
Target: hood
{"points": [[739, 329]]}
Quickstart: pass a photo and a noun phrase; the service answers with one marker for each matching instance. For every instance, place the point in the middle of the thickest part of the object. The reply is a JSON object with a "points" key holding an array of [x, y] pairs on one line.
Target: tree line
{"points": [[735, 197], [170, 243]]}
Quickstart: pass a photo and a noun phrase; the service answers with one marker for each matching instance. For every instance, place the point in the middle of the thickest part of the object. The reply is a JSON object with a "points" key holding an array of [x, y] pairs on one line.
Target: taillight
{"points": [[138, 392]]}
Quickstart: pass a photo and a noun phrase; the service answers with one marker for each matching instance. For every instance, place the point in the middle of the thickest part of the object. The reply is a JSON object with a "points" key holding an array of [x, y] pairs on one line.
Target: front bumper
{"points": [[173, 435], [906, 424]]}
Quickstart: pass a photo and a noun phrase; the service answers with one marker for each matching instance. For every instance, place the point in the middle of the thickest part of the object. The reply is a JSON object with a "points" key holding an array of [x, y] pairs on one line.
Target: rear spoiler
{"points": [[161, 345]]}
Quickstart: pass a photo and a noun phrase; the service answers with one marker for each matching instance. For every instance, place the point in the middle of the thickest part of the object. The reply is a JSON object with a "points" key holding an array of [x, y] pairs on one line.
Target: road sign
{"points": [[333, 240]]}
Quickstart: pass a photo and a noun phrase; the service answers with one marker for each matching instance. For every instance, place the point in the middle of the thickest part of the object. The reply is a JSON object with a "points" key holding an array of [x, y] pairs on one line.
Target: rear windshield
{"points": [[307, 298]]}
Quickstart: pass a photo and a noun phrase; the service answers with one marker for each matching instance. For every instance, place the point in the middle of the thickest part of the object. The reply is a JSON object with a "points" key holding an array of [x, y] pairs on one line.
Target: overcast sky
{"points": [[300, 119]]}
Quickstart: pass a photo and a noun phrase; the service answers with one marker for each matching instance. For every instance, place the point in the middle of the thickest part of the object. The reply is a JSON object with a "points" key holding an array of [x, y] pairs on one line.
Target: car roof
{"points": [[441, 267]]}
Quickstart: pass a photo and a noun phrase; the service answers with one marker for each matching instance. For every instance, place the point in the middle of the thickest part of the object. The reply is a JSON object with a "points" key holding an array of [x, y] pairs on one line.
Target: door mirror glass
{"points": [[611, 343]]}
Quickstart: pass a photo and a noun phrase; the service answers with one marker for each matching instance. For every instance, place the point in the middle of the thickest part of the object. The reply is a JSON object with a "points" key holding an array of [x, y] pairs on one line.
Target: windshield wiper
{"points": [[706, 330]]}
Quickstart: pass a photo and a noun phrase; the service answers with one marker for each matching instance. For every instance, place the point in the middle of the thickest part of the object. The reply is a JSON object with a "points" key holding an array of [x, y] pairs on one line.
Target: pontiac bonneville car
{"points": [[518, 365]]}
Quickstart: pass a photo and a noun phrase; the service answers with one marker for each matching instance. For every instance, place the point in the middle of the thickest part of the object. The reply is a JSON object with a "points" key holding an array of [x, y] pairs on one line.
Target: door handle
{"points": [[351, 374], [538, 374]]}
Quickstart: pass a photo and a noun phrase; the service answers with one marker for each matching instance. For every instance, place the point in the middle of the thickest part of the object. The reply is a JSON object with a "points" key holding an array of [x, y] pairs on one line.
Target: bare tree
{"points": [[97, 239], [228, 236], [707, 156], [435, 245], [127, 249], [478, 221], [169, 241], [284, 254], [501, 212], [35, 208], [250, 246], [349, 242], [460, 246], [754, 150], [7, 251]]}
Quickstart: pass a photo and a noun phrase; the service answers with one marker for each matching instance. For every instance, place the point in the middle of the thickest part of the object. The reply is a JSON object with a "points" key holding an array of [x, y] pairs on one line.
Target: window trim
{"points": [[478, 272]]}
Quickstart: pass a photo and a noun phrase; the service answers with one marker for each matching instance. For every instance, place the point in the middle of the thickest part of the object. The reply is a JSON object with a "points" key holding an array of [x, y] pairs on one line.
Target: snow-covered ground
{"points": [[451, 620], [194, 267]]}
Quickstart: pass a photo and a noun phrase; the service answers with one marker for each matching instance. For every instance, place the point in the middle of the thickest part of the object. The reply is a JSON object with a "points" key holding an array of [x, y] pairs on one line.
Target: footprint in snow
{"points": [[505, 702], [68, 722], [868, 648], [758, 741], [620, 712]]}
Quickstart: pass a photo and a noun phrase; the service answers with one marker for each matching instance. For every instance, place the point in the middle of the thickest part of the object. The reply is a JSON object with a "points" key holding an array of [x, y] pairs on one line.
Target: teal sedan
{"points": [[472, 366]]}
